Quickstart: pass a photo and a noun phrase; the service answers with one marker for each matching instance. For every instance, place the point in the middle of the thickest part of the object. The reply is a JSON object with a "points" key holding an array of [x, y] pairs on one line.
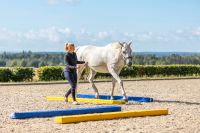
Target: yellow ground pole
{"points": [[87, 100], [109, 116]]}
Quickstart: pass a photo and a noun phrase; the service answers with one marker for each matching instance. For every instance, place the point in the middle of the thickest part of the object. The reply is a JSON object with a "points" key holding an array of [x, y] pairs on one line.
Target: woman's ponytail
{"points": [[66, 47]]}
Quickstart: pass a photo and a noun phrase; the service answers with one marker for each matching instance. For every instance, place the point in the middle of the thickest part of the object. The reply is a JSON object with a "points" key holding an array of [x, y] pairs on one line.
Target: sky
{"points": [[152, 25]]}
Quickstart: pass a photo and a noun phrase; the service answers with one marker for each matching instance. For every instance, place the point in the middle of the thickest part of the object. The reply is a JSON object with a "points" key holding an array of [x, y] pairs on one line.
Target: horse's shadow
{"points": [[177, 101]]}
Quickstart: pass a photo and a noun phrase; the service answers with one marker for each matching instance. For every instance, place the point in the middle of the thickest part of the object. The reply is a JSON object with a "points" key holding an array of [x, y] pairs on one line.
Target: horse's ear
{"points": [[129, 43], [122, 43]]}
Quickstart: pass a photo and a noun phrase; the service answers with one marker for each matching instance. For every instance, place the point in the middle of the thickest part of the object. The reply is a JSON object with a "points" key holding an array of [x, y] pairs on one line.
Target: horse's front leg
{"points": [[117, 78], [79, 72], [90, 79], [113, 88]]}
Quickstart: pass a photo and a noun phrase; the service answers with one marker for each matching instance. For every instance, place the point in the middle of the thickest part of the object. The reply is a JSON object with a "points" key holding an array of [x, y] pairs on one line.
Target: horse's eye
{"points": [[124, 52]]}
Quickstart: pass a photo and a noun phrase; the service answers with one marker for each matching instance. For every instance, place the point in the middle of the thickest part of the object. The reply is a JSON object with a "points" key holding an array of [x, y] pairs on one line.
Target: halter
{"points": [[125, 58], [129, 57]]}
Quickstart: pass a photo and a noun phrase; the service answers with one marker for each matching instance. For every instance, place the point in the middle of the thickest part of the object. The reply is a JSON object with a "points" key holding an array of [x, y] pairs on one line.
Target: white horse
{"points": [[108, 59]]}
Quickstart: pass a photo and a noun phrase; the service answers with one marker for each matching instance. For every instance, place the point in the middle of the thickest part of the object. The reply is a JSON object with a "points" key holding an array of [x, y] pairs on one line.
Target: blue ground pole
{"points": [[62, 112], [130, 98]]}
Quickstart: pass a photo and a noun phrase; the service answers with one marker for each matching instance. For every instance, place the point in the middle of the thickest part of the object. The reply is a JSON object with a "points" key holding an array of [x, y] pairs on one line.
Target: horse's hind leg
{"points": [[90, 79]]}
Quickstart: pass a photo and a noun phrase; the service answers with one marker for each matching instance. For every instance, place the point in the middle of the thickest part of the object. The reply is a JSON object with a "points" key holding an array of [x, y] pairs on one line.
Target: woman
{"points": [[70, 70]]}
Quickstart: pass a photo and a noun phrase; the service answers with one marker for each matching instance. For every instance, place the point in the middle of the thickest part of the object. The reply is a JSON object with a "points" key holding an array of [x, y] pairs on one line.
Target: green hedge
{"points": [[157, 70], [55, 73], [49, 73], [23, 74], [5, 74], [16, 74], [165, 70]]}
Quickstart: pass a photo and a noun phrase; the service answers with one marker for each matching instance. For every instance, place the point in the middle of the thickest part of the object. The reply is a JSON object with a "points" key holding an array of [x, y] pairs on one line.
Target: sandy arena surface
{"points": [[181, 97]]}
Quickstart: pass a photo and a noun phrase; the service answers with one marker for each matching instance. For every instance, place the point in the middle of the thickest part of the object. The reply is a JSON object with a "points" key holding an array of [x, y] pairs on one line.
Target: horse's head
{"points": [[127, 52]]}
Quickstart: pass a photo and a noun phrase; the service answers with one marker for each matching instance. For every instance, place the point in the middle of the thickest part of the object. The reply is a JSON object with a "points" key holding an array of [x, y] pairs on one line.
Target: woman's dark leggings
{"points": [[72, 79]]}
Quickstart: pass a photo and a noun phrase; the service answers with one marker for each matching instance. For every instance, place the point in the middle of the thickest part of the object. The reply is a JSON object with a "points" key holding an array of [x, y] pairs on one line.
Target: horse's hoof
{"points": [[126, 100], [97, 97]]}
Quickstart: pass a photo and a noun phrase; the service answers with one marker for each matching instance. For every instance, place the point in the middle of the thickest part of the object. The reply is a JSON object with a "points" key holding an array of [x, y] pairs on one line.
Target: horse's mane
{"points": [[76, 49], [115, 45]]}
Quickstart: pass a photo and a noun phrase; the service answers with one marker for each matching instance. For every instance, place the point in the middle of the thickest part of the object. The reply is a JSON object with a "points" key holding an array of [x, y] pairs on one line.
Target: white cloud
{"points": [[53, 34], [52, 2], [50, 34], [59, 35], [6, 34], [179, 31], [103, 35], [196, 31], [55, 37], [145, 36], [71, 1], [55, 2], [9, 35]]}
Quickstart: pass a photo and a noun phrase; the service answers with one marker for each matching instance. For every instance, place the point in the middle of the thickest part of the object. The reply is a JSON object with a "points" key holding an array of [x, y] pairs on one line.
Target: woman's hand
{"points": [[86, 63], [78, 66]]}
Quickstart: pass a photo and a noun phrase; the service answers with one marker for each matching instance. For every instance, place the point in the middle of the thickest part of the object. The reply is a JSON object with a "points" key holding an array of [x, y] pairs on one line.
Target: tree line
{"points": [[152, 59], [38, 59]]}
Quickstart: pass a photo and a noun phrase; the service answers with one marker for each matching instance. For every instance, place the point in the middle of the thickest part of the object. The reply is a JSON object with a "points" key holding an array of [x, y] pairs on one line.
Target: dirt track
{"points": [[181, 97]]}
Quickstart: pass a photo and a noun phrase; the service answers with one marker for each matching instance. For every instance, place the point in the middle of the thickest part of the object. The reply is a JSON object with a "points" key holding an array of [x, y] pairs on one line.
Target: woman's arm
{"points": [[79, 62]]}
